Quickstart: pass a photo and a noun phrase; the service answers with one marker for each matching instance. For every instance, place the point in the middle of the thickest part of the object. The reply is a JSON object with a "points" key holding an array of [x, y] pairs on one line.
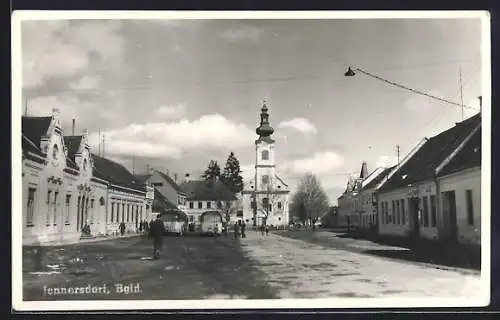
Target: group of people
{"points": [[264, 228], [239, 229], [144, 227]]}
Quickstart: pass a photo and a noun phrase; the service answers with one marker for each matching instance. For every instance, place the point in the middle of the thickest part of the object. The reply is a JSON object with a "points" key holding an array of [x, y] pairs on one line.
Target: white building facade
{"points": [[265, 198], [61, 192]]}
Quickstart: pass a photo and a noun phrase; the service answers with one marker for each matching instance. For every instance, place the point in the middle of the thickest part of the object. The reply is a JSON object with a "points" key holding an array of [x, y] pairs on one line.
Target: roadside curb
{"points": [[82, 241]]}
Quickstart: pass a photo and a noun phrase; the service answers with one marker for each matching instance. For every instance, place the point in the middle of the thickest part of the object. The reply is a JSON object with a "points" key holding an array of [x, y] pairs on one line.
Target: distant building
{"points": [[265, 196], [367, 198], [204, 196], [349, 202], [65, 188], [419, 198], [167, 186]]}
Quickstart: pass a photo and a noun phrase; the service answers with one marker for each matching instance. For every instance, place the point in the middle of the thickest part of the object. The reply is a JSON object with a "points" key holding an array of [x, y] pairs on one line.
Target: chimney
{"points": [[73, 127], [364, 170]]}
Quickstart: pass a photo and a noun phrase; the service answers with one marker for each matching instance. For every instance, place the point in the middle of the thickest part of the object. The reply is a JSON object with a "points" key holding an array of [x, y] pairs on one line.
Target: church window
{"points": [[265, 179], [55, 151], [265, 155]]}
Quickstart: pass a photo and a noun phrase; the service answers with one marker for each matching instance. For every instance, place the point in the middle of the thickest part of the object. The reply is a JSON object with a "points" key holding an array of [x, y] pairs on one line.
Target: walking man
{"points": [[122, 228], [156, 232], [243, 226]]}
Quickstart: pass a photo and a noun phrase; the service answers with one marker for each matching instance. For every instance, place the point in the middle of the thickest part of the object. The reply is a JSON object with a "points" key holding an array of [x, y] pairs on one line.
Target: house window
{"points": [[49, 208], [470, 207], [265, 179], [55, 151], [398, 213], [84, 164], [30, 214], [403, 211], [425, 211], [219, 204], [433, 211], [191, 204], [393, 212], [92, 211], [279, 205], [265, 155], [128, 212], [387, 216], [383, 212], [67, 209], [209, 204], [200, 205], [54, 222], [112, 211]]}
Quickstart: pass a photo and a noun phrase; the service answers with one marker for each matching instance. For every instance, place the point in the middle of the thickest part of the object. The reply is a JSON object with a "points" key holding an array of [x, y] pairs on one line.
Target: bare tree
{"points": [[227, 208], [310, 201]]}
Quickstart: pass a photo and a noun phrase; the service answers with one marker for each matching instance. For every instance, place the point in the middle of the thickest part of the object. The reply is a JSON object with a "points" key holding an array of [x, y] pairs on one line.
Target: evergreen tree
{"points": [[232, 174], [212, 172]]}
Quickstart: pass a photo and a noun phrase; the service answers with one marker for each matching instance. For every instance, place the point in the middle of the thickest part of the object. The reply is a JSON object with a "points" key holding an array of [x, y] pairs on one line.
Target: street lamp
{"points": [[350, 73]]}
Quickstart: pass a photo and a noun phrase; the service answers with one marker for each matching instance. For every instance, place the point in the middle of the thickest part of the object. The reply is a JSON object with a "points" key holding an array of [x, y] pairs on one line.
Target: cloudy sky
{"points": [[175, 94]]}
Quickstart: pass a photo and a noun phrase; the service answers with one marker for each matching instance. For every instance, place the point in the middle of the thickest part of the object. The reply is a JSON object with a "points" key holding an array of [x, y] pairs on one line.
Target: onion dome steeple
{"points": [[265, 129]]}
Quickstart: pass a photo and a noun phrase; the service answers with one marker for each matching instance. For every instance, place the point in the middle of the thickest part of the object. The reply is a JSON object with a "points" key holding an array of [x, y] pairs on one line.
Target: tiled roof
{"points": [[160, 203], [468, 157], [203, 191], [378, 179], [35, 127], [29, 146], [72, 144], [142, 177], [171, 182], [115, 173], [421, 165]]}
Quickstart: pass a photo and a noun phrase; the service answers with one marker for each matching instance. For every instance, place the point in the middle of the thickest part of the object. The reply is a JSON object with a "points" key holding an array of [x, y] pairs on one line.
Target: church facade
{"points": [[265, 197]]}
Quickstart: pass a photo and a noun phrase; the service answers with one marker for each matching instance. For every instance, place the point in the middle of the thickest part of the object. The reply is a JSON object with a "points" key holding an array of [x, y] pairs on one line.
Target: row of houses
{"points": [[67, 190], [70, 192], [433, 193]]}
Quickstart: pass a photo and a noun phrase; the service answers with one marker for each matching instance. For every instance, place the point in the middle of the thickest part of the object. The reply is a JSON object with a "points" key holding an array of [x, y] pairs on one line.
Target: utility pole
{"points": [[99, 144], [461, 92], [25, 106], [103, 145], [397, 152]]}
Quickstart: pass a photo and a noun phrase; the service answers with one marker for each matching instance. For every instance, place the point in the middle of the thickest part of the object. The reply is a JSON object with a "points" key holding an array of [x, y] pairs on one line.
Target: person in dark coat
{"points": [[156, 232], [141, 226], [262, 229], [236, 230], [267, 230], [243, 226], [122, 228]]}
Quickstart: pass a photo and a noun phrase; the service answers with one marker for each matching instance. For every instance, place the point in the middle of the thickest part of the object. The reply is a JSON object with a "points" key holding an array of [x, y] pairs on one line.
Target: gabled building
{"points": [[204, 196], [349, 202], [368, 197], [459, 180], [65, 187], [167, 186], [410, 200]]}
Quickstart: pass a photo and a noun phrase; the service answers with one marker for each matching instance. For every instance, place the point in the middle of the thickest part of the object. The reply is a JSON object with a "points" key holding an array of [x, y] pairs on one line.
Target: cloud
{"points": [[301, 124], [246, 33], [58, 49], [86, 83], [171, 111], [386, 161], [175, 139], [323, 162]]}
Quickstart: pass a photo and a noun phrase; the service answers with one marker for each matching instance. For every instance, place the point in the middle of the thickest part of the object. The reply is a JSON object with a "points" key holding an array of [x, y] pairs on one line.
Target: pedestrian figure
{"points": [[267, 230], [243, 226], [122, 228], [236, 230], [262, 229], [141, 225], [156, 232]]}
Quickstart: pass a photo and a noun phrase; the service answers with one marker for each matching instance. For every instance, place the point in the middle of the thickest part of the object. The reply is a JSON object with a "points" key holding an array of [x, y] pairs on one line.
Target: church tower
{"points": [[265, 197]]}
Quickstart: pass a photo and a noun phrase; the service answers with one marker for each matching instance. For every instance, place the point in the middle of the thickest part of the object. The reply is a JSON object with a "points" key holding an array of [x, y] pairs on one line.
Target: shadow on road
{"points": [[426, 251]]}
